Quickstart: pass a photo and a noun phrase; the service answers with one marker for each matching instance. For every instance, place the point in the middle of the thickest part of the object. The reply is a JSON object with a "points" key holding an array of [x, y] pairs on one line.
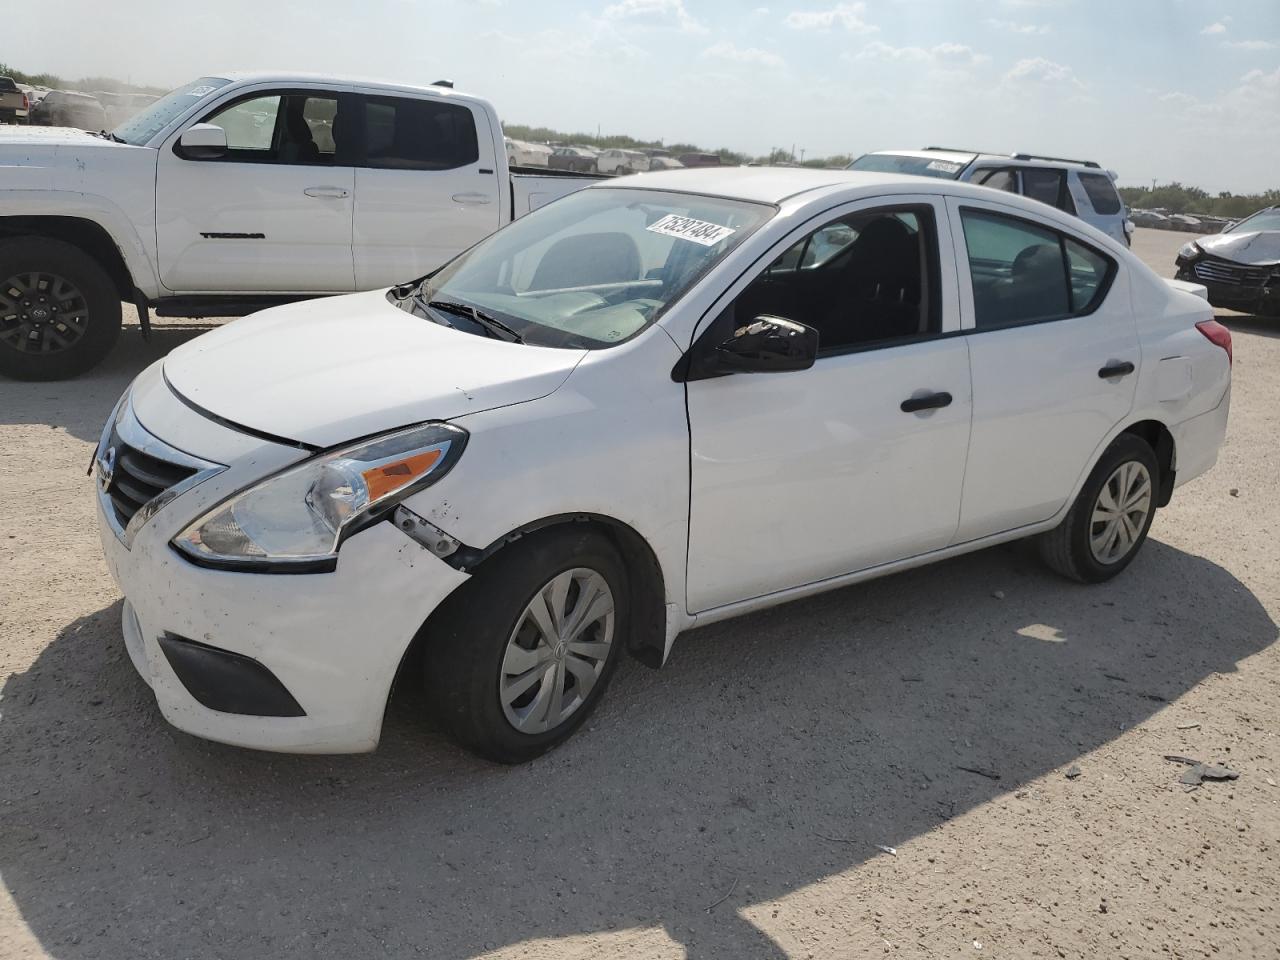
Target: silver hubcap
{"points": [[557, 651], [1120, 513]]}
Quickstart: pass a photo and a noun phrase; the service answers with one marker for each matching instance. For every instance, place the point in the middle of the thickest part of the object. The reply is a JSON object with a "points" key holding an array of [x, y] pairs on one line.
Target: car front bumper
{"points": [[1260, 299], [333, 641]]}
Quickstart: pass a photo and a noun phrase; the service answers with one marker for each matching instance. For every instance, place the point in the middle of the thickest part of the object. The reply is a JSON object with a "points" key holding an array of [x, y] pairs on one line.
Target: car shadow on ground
{"points": [[846, 715], [80, 406], [1250, 323]]}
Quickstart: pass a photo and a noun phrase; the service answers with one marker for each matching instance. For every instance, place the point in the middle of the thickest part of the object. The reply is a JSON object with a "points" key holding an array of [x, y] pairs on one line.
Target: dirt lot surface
{"points": [[733, 805]]}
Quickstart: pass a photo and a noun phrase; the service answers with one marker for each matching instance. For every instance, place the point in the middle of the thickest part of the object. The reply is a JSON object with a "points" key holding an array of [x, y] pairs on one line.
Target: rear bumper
{"points": [[1196, 441]]}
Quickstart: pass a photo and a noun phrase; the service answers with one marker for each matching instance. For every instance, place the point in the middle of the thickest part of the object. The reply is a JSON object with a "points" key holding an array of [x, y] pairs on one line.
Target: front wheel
{"points": [[59, 310], [1109, 520], [519, 657]]}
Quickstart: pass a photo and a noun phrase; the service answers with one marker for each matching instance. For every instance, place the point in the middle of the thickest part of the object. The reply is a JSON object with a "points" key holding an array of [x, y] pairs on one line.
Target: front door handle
{"points": [[1116, 368], [334, 192], [478, 198], [926, 401]]}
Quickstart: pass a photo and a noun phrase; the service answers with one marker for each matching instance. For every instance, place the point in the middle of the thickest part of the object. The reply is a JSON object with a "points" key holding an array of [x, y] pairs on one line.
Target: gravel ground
{"points": [[732, 805]]}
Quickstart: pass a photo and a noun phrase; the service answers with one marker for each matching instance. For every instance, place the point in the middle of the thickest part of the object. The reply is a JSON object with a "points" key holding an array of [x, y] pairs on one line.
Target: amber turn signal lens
{"points": [[390, 477]]}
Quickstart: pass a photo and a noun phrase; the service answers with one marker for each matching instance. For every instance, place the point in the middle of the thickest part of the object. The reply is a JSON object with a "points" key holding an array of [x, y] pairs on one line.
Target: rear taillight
{"points": [[1217, 334], [26, 104]]}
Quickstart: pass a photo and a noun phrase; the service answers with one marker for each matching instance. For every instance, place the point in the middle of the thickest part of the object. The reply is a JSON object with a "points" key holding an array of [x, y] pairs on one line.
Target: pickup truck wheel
{"points": [[59, 311], [520, 655]]}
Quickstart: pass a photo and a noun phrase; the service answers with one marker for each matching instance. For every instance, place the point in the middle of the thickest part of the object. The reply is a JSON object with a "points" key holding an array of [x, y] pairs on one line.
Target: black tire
{"points": [[1066, 549], [25, 256], [467, 640]]}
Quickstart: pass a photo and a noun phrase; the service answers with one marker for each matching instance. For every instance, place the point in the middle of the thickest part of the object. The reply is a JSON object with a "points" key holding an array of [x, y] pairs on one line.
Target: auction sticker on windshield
{"points": [[686, 228], [942, 166]]}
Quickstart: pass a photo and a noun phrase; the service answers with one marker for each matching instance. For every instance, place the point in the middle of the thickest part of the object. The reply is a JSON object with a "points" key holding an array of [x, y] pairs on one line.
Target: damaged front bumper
{"points": [[1249, 288]]}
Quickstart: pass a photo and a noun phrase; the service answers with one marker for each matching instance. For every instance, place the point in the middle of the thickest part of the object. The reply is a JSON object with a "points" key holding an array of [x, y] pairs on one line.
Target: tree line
{"points": [[86, 84], [1177, 198]]}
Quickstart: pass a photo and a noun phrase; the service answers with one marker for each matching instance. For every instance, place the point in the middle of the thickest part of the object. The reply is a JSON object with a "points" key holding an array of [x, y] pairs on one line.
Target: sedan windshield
{"points": [[587, 271], [1268, 219], [898, 163], [142, 126]]}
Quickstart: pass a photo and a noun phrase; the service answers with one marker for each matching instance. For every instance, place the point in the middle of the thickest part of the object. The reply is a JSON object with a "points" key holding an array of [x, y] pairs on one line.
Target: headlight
{"points": [[1189, 250], [297, 519]]}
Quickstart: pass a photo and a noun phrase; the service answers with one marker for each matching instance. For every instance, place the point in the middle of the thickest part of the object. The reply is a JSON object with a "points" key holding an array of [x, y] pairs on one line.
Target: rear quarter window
{"points": [[1101, 192]]}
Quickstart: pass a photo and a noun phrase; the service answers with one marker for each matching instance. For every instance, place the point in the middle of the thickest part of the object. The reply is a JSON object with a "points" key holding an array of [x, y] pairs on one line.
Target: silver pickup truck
{"points": [[14, 106], [237, 192]]}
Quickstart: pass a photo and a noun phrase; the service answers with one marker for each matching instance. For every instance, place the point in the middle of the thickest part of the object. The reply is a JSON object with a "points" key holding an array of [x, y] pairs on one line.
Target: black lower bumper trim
{"points": [[228, 682]]}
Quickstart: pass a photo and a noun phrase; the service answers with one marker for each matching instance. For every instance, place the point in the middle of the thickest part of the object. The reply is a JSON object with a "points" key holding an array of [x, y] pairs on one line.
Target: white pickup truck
{"points": [[238, 192]]}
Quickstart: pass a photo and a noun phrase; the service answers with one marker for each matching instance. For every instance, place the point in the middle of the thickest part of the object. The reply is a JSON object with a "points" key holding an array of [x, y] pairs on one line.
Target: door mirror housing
{"points": [[203, 141], [765, 345]]}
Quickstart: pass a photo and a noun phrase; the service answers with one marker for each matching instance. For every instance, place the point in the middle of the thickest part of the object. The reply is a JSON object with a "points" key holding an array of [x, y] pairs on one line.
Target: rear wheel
{"points": [[1108, 523], [59, 310], [518, 658]]}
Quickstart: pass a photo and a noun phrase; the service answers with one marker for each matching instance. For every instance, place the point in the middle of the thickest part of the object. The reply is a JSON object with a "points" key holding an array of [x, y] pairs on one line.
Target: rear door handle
{"points": [[478, 198], [926, 401], [335, 192], [1116, 368]]}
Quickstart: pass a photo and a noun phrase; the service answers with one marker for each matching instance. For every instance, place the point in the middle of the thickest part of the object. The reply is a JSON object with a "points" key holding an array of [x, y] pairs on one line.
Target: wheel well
{"points": [[1158, 437], [85, 234], [647, 639]]}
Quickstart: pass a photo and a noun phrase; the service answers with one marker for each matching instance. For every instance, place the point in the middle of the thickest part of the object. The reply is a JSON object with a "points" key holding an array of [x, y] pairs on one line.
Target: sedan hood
{"points": [[328, 371], [1259, 248]]}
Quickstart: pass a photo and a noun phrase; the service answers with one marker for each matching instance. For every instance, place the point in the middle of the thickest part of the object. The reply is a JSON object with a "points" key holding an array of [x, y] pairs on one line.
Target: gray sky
{"points": [[1168, 89]]}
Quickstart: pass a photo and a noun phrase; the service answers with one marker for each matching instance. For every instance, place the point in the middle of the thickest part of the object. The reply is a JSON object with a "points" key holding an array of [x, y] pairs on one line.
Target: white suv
{"points": [[1078, 187]]}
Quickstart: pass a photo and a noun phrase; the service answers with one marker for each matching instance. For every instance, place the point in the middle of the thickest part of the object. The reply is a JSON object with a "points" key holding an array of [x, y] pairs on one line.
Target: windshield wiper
{"points": [[492, 324], [108, 136]]}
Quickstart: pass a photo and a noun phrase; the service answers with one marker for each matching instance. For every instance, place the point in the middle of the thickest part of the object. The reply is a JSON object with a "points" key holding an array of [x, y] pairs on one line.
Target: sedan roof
{"points": [[768, 184]]}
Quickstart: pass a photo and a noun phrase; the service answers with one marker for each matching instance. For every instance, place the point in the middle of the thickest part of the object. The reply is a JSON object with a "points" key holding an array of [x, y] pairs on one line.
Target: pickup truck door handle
{"points": [[335, 192], [1116, 368], [478, 198], [927, 401]]}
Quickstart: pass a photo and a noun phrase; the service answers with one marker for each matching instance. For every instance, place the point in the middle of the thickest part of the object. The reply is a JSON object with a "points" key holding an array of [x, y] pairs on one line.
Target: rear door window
{"points": [[404, 134], [1048, 186], [1025, 273], [1102, 193]]}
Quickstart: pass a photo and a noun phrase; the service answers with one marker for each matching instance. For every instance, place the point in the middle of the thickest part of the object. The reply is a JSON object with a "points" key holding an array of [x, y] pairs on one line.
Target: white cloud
{"points": [[1215, 28], [1040, 70], [724, 50], [1249, 44], [847, 15], [655, 11], [1014, 27], [943, 54]]}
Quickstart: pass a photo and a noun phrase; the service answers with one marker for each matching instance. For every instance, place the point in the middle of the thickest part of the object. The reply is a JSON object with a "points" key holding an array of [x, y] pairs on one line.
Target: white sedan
{"points": [[645, 407]]}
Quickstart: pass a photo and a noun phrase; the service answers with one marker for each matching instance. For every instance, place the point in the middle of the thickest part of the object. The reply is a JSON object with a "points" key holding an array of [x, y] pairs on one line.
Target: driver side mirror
{"points": [[203, 141], [765, 345]]}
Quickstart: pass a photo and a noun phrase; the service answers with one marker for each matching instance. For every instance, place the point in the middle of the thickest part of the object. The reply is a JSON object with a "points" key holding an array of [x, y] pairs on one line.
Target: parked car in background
{"points": [[1240, 266], [619, 162], [700, 160], [521, 153], [504, 478], [1149, 218], [14, 102], [233, 193], [1078, 187], [63, 108], [665, 163], [576, 159]]}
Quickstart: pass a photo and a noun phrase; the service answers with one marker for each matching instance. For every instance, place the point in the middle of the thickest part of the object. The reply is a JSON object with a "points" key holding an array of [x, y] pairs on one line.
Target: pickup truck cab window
{"points": [[595, 268], [405, 134], [287, 127]]}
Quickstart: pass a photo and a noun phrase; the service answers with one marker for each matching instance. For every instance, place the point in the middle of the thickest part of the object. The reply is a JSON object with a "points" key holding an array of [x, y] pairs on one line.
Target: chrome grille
{"points": [[1220, 271], [138, 478], [137, 473]]}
